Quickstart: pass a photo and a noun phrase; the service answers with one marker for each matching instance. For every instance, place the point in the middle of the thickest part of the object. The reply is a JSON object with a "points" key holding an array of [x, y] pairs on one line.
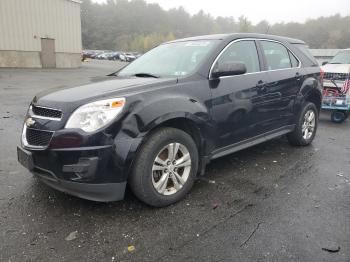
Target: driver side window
{"points": [[244, 52]]}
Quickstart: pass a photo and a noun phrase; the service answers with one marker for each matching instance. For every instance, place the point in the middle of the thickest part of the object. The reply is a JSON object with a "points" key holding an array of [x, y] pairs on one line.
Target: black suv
{"points": [[156, 123]]}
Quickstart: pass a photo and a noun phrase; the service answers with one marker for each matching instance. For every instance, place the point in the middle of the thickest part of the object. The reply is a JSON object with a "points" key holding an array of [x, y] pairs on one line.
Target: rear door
{"points": [[285, 77]]}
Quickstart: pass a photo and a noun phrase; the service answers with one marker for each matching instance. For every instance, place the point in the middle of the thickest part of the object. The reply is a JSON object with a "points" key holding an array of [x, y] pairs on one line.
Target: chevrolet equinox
{"points": [[156, 123]]}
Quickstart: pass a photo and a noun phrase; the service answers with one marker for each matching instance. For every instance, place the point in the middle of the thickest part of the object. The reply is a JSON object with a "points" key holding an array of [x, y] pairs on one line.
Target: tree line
{"points": [[138, 26]]}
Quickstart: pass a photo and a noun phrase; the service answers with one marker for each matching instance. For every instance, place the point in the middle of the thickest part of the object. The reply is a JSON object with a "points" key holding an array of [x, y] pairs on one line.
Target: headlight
{"points": [[93, 116]]}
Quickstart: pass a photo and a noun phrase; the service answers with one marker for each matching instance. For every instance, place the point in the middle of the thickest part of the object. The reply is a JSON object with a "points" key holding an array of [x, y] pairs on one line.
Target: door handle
{"points": [[261, 85]]}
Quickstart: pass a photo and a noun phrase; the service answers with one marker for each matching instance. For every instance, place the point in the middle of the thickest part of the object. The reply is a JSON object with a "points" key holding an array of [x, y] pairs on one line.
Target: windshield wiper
{"points": [[145, 75], [335, 63]]}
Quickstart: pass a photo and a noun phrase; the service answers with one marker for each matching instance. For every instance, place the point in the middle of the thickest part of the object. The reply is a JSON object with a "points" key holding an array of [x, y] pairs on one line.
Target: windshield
{"points": [[341, 58], [171, 59]]}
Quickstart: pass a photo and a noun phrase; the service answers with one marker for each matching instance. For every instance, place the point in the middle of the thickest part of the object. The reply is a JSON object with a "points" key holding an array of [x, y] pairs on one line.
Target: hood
{"points": [[69, 98], [336, 68]]}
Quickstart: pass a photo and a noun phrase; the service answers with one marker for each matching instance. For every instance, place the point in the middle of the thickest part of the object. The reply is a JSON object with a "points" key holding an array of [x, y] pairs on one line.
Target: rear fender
{"points": [[311, 87]]}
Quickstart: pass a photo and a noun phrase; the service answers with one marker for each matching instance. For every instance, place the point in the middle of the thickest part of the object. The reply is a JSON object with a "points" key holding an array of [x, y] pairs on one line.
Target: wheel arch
{"points": [[315, 97], [311, 91], [182, 122], [187, 125]]}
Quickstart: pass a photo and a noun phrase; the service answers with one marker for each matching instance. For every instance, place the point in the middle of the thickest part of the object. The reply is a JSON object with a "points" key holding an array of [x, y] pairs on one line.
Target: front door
{"points": [[48, 55], [237, 100]]}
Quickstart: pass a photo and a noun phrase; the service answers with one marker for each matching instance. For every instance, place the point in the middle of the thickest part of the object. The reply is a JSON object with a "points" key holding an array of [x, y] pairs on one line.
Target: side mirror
{"points": [[229, 69], [324, 63]]}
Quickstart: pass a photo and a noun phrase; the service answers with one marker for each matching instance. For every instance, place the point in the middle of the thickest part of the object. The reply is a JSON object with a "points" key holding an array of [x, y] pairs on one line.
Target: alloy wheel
{"points": [[309, 124], [171, 169]]}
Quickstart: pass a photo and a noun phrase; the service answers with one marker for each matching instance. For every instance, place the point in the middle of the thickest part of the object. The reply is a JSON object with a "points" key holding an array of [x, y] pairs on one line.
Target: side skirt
{"points": [[251, 142]]}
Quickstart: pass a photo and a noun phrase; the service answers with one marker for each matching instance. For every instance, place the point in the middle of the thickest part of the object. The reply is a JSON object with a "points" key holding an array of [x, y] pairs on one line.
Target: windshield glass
{"points": [[171, 59], [341, 58]]}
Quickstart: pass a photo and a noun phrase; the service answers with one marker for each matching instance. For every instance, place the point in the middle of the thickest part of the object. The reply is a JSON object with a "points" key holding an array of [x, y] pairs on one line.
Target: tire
{"points": [[146, 177], [301, 136], [339, 116]]}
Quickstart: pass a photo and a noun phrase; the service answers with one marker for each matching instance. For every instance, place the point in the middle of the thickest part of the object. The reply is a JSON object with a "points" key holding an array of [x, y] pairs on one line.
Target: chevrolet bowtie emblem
{"points": [[30, 122]]}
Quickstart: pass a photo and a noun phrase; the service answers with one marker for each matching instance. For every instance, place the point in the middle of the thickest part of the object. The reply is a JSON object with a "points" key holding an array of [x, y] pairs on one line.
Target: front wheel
{"points": [[306, 126], [165, 167]]}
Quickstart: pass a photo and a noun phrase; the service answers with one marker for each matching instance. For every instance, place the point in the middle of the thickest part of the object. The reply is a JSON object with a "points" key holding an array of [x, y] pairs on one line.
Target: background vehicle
{"points": [[114, 56], [129, 57], [336, 82], [122, 57], [157, 123], [110, 55], [102, 56]]}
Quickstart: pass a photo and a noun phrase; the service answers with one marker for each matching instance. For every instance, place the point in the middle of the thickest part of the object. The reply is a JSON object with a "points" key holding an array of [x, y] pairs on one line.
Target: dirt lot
{"points": [[272, 202]]}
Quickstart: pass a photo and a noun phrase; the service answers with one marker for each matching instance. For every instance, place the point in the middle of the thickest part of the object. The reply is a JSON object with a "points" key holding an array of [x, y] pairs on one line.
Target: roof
{"points": [[240, 35]]}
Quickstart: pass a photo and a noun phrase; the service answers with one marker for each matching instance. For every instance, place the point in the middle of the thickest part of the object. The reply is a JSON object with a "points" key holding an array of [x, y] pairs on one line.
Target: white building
{"points": [[324, 55], [40, 33]]}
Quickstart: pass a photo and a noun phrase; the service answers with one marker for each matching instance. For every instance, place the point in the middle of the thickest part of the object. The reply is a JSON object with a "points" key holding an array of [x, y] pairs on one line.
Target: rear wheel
{"points": [[306, 126], [339, 116], [165, 167]]}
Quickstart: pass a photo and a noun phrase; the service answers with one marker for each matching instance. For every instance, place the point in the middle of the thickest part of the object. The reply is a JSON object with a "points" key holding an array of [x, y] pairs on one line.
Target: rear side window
{"points": [[277, 56], [305, 50], [244, 52]]}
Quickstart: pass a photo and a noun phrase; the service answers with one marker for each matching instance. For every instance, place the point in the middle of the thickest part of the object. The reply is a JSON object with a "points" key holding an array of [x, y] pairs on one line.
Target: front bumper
{"points": [[91, 173], [95, 192]]}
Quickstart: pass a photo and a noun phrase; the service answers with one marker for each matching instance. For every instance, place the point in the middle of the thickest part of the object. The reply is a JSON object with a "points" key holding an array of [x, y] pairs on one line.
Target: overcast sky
{"points": [[257, 10]]}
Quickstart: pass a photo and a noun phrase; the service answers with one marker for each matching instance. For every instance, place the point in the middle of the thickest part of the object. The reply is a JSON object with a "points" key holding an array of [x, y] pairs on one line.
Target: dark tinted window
{"points": [[305, 50], [244, 52], [277, 56]]}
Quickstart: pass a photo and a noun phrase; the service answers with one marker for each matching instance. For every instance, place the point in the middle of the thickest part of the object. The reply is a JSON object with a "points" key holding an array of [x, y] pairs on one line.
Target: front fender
{"points": [[147, 115], [144, 117]]}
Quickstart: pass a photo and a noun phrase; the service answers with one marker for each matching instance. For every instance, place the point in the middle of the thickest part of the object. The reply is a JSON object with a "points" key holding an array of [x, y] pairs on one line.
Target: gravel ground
{"points": [[272, 202]]}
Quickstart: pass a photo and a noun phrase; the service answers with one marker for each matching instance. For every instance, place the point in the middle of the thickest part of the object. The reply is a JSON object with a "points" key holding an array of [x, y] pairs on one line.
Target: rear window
{"points": [[305, 50]]}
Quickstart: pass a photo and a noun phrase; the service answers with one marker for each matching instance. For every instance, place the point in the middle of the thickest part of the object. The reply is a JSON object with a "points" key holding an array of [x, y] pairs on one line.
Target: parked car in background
{"points": [[88, 54], [114, 56], [338, 66], [101, 56], [83, 56], [96, 53], [122, 57], [336, 82], [130, 57], [160, 120], [110, 55]]}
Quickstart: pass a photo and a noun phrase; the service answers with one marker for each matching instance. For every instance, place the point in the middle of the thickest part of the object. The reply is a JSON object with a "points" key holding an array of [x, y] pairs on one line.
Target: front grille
{"points": [[46, 112], [37, 137], [336, 76]]}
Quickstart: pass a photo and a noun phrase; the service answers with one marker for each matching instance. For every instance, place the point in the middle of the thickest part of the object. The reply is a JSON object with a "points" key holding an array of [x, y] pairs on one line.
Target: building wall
{"points": [[24, 22], [324, 55]]}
